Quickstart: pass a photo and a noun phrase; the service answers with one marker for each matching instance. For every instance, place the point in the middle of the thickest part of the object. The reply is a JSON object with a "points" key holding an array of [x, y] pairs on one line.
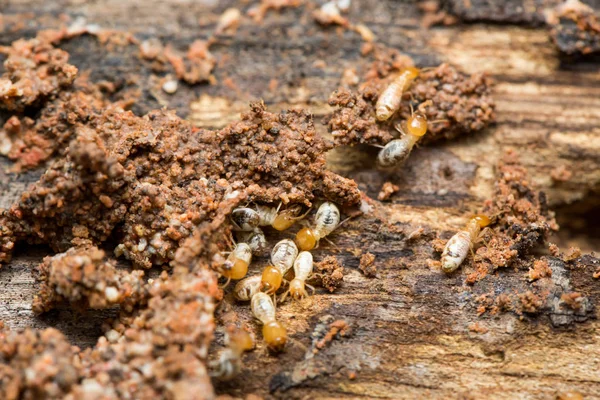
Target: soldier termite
{"points": [[326, 220], [248, 219], [458, 246], [274, 333], [282, 259], [303, 268], [247, 287], [397, 151], [389, 100], [230, 360]]}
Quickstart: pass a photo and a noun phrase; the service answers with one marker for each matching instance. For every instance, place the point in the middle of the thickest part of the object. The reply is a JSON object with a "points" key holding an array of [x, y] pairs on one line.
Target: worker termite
{"points": [[247, 287], [255, 239], [274, 333], [326, 220], [229, 363], [397, 151], [303, 268], [282, 259], [236, 265], [458, 246], [389, 100], [247, 219]]}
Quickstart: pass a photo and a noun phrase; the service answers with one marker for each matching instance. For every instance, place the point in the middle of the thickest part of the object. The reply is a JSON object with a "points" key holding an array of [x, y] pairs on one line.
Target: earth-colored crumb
{"points": [[34, 71], [561, 174], [540, 269], [37, 364], [387, 190], [574, 28], [258, 12], [367, 265], [337, 329], [478, 328], [572, 300], [85, 278], [554, 249], [530, 302], [330, 273], [572, 254]]}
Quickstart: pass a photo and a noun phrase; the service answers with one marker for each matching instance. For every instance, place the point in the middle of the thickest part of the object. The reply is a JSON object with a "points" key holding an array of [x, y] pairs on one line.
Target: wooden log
{"points": [[414, 332]]}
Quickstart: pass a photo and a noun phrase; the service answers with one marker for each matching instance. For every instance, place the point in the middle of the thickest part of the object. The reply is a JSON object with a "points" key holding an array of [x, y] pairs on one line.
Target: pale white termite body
{"points": [[389, 100], [396, 151], [255, 239], [459, 245], [263, 308], [326, 220], [283, 255], [303, 268], [245, 289]]}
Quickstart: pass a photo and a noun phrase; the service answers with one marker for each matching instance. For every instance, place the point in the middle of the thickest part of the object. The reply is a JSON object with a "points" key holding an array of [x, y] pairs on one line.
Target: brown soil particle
{"points": [[540, 269], [572, 300], [530, 302], [387, 190], [367, 265], [461, 105], [83, 277], [37, 364], [337, 329], [522, 219], [574, 28], [572, 254], [330, 273], [34, 71], [477, 328]]}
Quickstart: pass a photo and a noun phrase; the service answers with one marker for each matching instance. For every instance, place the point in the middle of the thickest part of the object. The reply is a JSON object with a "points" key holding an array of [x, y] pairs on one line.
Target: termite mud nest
{"points": [[461, 105]]}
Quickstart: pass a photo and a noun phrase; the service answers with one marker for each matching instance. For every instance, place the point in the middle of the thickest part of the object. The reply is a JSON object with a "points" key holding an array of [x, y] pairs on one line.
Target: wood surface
{"points": [[410, 325]]}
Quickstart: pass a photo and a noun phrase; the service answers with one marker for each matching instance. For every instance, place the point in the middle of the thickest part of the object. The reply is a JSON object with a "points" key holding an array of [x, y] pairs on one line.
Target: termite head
{"points": [[239, 340], [275, 335], [306, 239], [236, 266], [297, 289], [287, 217], [481, 220], [271, 279], [416, 125]]}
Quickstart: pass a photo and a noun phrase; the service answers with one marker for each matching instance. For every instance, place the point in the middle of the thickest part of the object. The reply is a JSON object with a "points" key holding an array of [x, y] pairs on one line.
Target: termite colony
{"points": [[290, 266], [397, 151]]}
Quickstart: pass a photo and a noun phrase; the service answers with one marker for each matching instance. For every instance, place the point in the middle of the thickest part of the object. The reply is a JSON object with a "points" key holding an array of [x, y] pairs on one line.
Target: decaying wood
{"points": [[413, 332]]}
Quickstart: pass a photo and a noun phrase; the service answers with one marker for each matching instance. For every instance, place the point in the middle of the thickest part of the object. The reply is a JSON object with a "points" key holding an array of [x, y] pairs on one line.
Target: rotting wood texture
{"points": [[413, 332]]}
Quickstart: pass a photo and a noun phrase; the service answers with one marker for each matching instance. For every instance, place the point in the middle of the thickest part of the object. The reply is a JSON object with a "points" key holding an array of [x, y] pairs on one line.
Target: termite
{"points": [[274, 333], [255, 239], [236, 265], [326, 220], [397, 151], [229, 363], [247, 219], [247, 287], [389, 100], [303, 268], [282, 259], [458, 246]]}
